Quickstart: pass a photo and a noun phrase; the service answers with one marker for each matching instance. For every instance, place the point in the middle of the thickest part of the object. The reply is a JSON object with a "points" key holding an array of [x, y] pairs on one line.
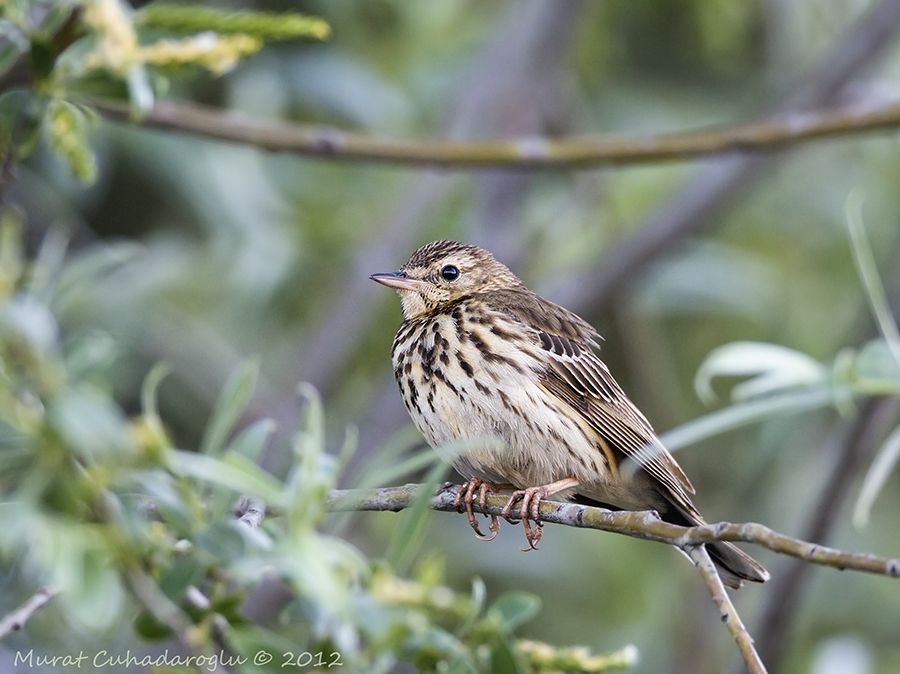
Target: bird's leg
{"points": [[531, 507], [465, 498]]}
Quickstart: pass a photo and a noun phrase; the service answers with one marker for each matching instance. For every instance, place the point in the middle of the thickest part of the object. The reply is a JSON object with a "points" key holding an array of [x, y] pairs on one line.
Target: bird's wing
{"points": [[578, 376]]}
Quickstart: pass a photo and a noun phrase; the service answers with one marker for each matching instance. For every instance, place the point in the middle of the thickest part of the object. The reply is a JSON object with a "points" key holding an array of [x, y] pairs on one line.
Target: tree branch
{"points": [[855, 445], [17, 619], [645, 525], [574, 152], [727, 611]]}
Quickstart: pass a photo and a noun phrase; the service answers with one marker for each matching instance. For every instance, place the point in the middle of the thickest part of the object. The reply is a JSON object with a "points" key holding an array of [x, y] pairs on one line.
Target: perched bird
{"points": [[480, 355]]}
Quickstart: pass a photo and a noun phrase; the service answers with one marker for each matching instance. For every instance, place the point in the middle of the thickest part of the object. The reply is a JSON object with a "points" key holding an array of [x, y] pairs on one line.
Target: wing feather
{"points": [[579, 377], [576, 375]]}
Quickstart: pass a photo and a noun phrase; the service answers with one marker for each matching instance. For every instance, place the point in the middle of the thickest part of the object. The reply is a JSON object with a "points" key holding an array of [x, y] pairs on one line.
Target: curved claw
{"points": [[506, 513], [464, 500], [494, 528], [530, 509]]}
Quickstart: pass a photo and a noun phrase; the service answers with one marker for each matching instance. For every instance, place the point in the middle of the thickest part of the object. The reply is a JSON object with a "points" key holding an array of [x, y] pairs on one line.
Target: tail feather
{"points": [[734, 565]]}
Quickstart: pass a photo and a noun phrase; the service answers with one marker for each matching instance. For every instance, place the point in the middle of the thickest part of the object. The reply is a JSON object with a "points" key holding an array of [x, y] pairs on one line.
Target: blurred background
{"points": [[236, 253]]}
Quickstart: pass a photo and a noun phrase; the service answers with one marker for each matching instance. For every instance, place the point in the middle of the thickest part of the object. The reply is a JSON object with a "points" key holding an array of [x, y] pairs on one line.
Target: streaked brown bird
{"points": [[480, 355]]}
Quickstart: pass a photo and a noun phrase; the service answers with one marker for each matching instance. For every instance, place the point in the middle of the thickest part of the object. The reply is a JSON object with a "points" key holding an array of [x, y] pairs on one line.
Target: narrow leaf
{"points": [[744, 413], [409, 536], [868, 273], [233, 472], [876, 478], [231, 404], [771, 367]]}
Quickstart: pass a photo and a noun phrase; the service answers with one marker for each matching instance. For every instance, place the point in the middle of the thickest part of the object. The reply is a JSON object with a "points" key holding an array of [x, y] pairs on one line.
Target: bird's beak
{"points": [[397, 279]]}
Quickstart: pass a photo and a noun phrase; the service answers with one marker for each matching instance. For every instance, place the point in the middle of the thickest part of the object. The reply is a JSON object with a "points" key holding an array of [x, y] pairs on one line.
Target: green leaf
{"points": [[87, 270], [51, 17], [228, 409], [875, 370], [265, 25], [462, 664], [158, 487], [246, 447], [149, 389], [149, 628], [93, 594], [770, 366], [876, 477], [515, 608], [412, 464], [65, 127], [181, 574], [224, 542], [868, 274], [234, 472], [250, 641], [13, 44], [91, 424], [21, 116], [251, 441], [436, 640], [48, 264], [744, 413], [479, 595], [91, 354], [506, 660], [408, 537]]}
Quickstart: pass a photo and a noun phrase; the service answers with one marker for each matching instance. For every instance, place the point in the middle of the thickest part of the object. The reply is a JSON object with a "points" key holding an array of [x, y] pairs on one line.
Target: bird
{"points": [[480, 355]]}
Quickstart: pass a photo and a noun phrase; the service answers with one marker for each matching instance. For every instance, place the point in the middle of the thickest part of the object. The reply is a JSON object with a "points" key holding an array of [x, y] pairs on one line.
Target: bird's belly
{"points": [[461, 383], [530, 440]]}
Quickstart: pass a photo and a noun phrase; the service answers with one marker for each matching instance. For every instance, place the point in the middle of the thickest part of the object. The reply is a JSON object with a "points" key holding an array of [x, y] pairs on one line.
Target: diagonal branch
{"points": [[645, 525], [786, 129], [17, 619], [727, 611]]}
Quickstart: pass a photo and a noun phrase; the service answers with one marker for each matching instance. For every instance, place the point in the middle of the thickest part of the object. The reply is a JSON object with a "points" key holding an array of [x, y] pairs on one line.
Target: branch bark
{"points": [[648, 526], [727, 611], [856, 445], [577, 152], [17, 619], [700, 205], [645, 525]]}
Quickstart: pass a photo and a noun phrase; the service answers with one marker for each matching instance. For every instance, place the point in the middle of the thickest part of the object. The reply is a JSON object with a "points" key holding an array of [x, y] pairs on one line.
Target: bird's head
{"points": [[443, 272]]}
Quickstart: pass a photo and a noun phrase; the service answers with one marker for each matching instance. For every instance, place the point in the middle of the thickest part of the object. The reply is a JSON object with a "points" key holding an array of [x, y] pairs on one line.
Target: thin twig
{"points": [[727, 612], [250, 511], [524, 153], [643, 524], [701, 204], [17, 619]]}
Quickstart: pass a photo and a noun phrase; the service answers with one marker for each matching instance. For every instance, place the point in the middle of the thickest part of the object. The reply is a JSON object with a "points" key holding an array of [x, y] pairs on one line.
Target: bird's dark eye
{"points": [[450, 273]]}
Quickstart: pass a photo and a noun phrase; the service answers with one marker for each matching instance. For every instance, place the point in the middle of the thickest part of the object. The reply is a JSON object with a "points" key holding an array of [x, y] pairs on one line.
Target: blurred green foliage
{"points": [[209, 256], [99, 505], [72, 48]]}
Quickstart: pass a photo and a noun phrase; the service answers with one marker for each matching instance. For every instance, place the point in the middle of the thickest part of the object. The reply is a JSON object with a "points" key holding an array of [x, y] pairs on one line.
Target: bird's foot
{"points": [[465, 500], [530, 509]]}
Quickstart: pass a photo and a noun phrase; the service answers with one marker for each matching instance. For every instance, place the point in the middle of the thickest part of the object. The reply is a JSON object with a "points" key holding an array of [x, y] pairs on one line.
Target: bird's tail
{"points": [[734, 565]]}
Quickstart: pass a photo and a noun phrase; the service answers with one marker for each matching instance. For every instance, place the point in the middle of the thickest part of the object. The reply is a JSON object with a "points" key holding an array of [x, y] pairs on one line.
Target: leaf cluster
{"points": [[101, 504], [54, 53]]}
